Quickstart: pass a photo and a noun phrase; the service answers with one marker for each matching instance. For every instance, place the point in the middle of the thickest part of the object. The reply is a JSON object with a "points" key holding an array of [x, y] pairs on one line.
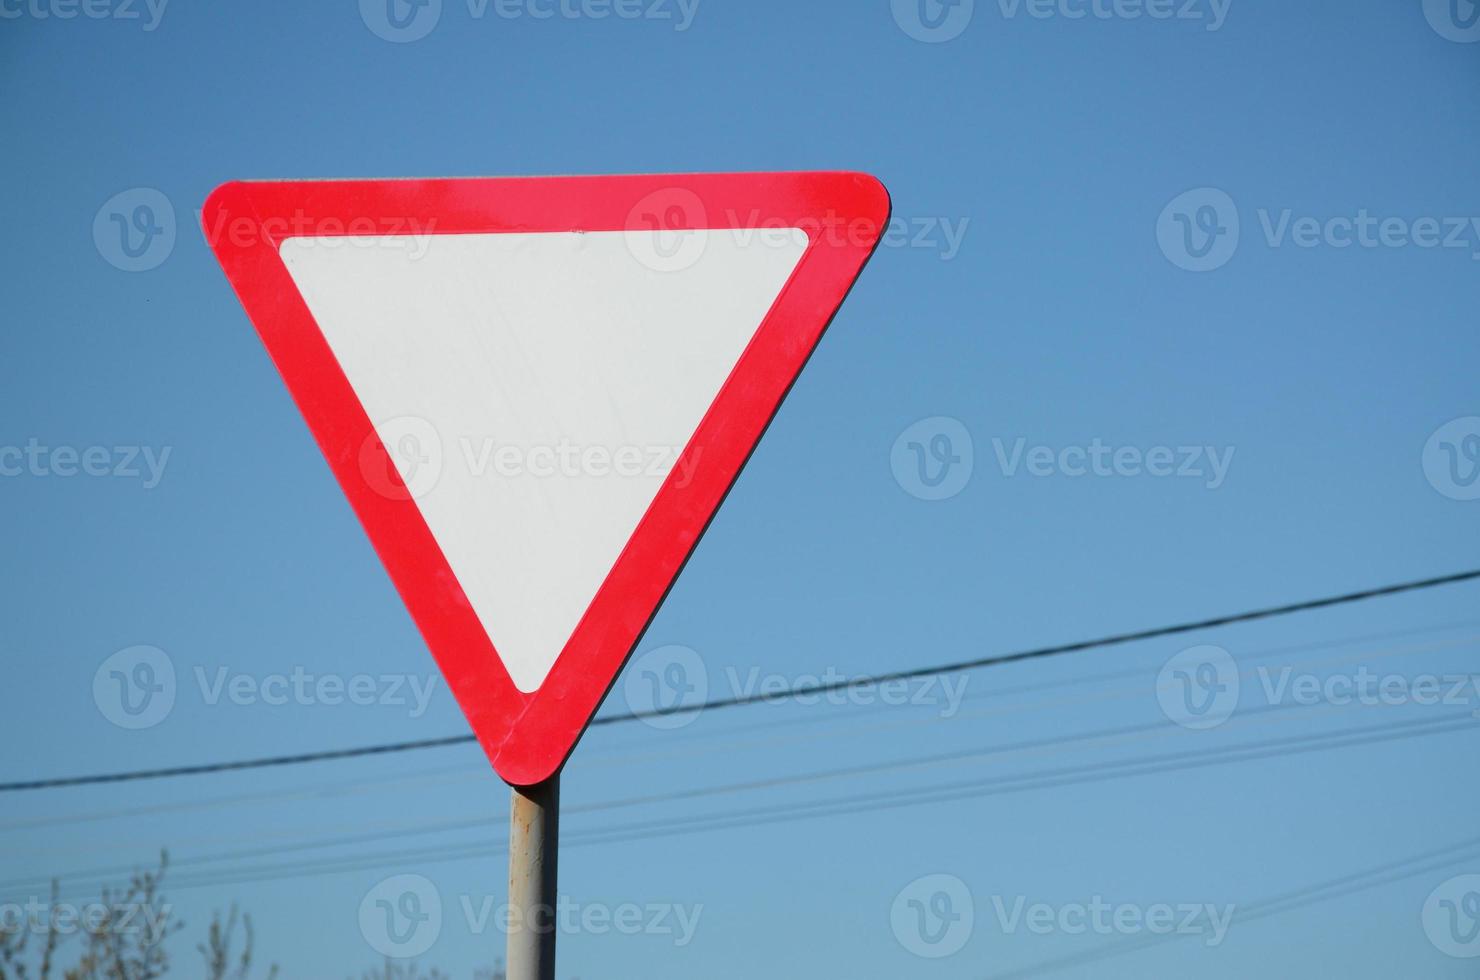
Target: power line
{"points": [[1111, 737], [1049, 651], [808, 690], [806, 779], [473, 771], [752, 816], [1348, 884], [277, 760]]}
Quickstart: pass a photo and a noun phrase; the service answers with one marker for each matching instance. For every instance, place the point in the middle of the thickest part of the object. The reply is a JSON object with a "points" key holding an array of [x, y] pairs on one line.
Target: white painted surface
{"points": [[486, 361]]}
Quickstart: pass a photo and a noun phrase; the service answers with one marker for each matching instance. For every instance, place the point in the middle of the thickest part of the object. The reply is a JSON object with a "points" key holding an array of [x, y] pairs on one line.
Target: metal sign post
{"points": [[534, 842]]}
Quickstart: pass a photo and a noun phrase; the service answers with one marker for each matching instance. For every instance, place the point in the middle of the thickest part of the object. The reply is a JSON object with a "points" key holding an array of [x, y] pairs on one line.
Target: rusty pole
{"points": [[534, 839]]}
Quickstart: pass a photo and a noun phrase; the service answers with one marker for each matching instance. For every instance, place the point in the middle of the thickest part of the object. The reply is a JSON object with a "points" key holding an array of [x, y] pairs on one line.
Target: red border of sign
{"points": [[529, 736]]}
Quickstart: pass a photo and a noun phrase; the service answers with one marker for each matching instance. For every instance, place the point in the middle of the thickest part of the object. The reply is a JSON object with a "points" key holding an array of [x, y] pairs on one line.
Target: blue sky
{"points": [[1251, 231]]}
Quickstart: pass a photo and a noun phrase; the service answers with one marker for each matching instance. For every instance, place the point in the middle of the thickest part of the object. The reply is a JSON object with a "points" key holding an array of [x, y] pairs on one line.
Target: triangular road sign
{"points": [[537, 391]]}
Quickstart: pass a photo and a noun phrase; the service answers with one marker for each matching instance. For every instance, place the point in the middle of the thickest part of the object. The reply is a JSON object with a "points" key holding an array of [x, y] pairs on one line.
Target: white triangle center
{"points": [[535, 390]]}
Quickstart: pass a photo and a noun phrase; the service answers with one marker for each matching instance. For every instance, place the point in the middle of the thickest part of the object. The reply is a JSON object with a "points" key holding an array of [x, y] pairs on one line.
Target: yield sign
{"points": [[537, 391]]}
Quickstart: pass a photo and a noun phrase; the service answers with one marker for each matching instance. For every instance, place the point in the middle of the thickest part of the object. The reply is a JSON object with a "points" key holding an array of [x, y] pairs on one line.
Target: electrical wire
{"points": [[810, 690]]}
